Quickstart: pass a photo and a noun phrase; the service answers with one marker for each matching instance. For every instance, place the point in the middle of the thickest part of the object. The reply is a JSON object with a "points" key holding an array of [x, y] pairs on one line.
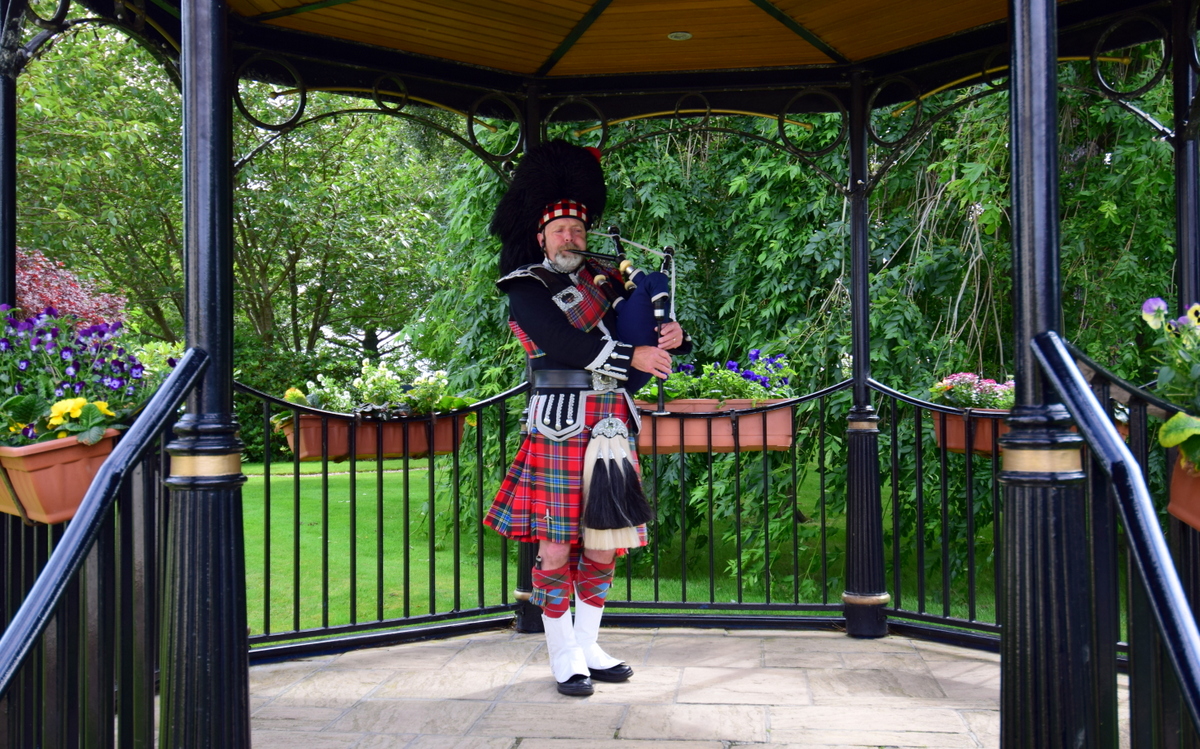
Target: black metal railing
{"points": [[376, 525], [80, 603], [353, 539], [1163, 641]]}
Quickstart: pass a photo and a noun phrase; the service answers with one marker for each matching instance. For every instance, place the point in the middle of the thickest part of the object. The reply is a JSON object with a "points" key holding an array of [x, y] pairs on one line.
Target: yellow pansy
{"points": [[103, 406], [69, 407], [17, 427]]}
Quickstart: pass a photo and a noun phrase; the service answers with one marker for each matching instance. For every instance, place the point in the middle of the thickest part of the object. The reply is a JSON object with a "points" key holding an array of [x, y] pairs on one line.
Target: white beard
{"points": [[566, 264]]}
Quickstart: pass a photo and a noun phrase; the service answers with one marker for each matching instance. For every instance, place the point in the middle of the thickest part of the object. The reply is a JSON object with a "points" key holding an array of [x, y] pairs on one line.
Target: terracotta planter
{"points": [[955, 437], [366, 445], [1185, 495], [50, 478], [695, 431]]}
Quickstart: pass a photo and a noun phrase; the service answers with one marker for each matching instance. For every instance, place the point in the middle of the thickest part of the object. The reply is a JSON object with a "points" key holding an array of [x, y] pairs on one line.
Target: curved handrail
{"points": [[69, 554], [1121, 390], [1143, 533], [351, 417]]}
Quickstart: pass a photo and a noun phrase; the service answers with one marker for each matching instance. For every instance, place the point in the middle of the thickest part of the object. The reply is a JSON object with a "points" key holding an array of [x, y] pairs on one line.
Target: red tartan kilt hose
{"points": [[541, 497]]}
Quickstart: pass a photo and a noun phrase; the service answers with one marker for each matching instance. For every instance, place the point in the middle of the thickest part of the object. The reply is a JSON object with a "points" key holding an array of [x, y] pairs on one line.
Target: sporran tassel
{"points": [[614, 504]]}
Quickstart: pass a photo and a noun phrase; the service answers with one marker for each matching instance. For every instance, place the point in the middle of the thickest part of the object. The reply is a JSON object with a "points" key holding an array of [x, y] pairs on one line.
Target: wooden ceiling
{"points": [[605, 37], [627, 57]]}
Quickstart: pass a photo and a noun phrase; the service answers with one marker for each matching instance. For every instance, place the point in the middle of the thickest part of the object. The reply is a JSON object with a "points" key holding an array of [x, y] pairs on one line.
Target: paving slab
{"points": [[458, 742], [333, 688], [745, 686], [714, 651], [872, 718], [269, 679], [578, 720], [509, 655], [296, 717], [385, 741], [705, 722], [898, 739], [447, 683], [308, 740], [873, 687], [443, 717], [410, 656], [620, 744]]}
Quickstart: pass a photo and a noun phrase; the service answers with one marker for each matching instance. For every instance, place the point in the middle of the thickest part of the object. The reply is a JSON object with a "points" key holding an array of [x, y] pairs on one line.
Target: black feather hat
{"points": [[549, 173]]}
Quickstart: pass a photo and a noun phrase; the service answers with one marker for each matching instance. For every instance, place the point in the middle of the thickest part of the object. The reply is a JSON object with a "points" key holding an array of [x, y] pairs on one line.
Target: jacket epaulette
{"points": [[536, 271]]}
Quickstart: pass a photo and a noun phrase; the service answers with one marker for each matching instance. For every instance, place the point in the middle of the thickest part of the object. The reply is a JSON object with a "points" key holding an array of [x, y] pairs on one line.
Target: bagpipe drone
{"points": [[614, 504]]}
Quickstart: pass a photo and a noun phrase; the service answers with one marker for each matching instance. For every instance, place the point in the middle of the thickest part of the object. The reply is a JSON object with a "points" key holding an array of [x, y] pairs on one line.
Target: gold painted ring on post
{"points": [[229, 464], [1042, 461]]}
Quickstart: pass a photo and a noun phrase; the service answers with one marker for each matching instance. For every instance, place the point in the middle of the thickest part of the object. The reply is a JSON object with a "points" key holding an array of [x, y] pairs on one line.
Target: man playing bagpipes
{"points": [[573, 487]]}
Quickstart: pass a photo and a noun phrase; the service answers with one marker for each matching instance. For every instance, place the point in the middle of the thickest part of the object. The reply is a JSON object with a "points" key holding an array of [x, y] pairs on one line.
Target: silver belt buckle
{"points": [[603, 382]]}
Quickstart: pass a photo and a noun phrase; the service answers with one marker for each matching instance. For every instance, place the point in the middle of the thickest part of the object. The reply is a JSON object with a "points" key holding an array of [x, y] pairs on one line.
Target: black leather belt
{"points": [[562, 379]]}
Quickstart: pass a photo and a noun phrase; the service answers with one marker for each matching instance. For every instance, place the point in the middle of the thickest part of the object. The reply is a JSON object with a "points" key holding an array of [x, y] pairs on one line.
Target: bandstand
{"points": [[1067, 480]]}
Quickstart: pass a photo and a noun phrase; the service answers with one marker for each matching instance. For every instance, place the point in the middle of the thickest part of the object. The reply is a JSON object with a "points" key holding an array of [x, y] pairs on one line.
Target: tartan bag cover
{"points": [[541, 497]]}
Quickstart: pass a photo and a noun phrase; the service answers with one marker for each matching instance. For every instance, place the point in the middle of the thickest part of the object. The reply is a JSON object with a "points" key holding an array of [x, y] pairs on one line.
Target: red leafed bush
{"points": [[42, 283]]}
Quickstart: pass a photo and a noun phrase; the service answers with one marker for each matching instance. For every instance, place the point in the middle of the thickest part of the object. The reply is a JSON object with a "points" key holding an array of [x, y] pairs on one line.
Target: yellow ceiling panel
{"points": [[862, 30], [631, 36], [516, 36]]}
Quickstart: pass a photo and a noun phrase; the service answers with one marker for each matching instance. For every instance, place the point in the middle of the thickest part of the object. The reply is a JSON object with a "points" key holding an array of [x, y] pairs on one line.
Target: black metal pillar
{"points": [[529, 616], [205, 688], [11, 58], [1045, 627], [1185, 540], [866, 595]]}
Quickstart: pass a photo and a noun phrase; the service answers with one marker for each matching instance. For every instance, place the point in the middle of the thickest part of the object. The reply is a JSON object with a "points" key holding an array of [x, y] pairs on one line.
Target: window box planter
{"points": [[366, 445], [955, 434], [50, 478], [661, 435], [1184, 500]]}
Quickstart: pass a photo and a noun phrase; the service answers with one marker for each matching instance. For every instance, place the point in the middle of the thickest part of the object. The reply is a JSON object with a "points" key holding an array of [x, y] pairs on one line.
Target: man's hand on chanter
{"points": [[671, 336], [653, 360]]}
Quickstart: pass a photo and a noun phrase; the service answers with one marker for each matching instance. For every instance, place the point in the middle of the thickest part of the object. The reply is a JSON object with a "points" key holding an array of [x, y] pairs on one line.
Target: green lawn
{"points": [[312, 507]]}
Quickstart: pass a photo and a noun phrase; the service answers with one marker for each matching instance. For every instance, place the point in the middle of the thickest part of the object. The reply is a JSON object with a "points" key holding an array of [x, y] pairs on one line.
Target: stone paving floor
{"points": [[692, 689]]}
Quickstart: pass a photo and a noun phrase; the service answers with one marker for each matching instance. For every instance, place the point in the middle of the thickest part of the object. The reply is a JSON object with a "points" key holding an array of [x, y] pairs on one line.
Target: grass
{"points": [[386, 524]]}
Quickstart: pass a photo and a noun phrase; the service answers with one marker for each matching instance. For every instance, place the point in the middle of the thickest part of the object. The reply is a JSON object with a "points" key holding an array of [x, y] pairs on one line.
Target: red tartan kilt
{"points": [[541, 497]]}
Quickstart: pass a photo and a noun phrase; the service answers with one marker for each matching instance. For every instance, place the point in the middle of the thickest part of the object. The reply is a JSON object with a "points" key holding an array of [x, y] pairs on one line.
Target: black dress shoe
{"points": [[619, 672], [576, 686]]}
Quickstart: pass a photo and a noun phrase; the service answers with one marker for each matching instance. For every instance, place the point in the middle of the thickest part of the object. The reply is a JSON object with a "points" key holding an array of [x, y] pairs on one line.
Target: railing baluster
{"points": [[455, 498], [1106, 616], [737, 498], [406, 552], [945, 531], [712, 553], [266, 578], [795, 509], [766, 500], [296, 520], [683, 515], [480, 597], [894, 430], [325, 520], [971, 518], [379, 547], [352, 532], [431, 519], [824, 524]]}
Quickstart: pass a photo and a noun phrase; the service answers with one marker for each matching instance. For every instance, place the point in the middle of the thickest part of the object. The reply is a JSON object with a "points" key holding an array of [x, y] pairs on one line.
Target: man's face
{"points": [[558, 238]]}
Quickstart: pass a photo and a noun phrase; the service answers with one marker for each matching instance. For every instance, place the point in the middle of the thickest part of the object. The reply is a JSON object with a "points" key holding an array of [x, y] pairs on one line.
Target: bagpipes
{"points": [[614, 503]]}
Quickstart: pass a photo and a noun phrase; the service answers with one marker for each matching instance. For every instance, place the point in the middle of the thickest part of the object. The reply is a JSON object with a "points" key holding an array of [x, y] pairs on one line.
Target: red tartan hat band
{"points": [[564, 209]]}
